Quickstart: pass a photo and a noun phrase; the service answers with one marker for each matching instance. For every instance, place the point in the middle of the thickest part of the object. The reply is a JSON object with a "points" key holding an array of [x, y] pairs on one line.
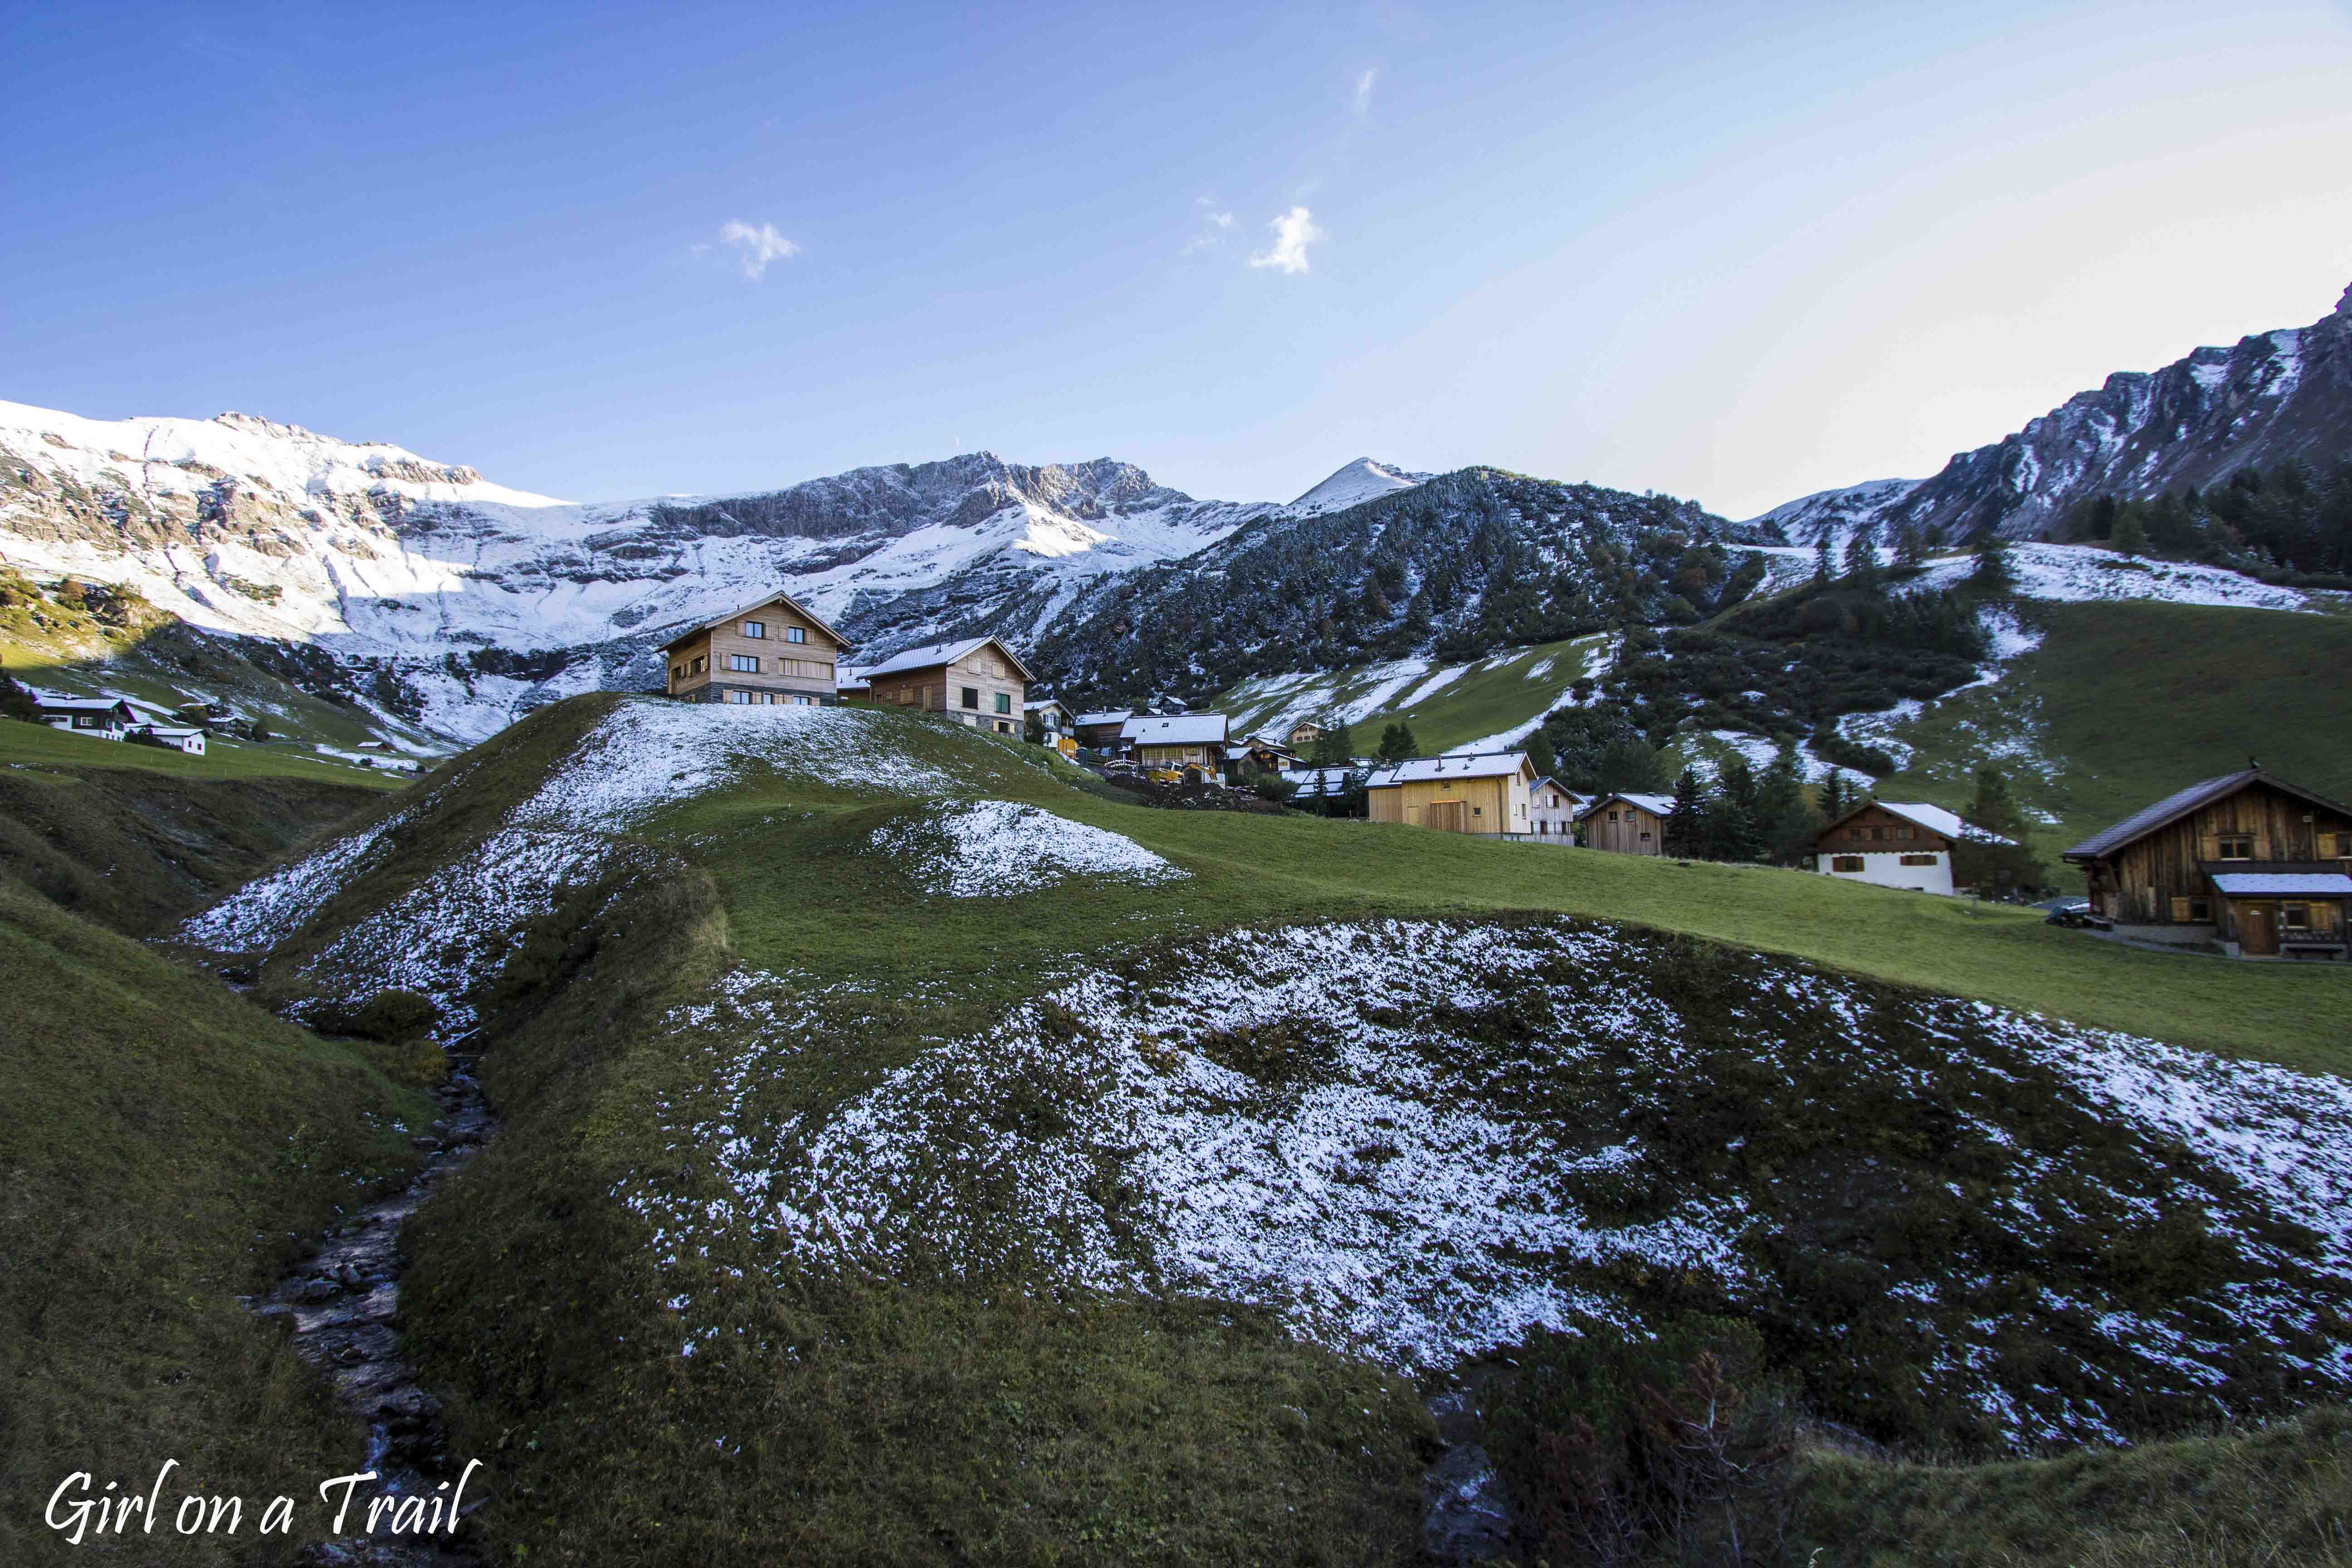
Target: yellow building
{"points": [[1485, 793]]}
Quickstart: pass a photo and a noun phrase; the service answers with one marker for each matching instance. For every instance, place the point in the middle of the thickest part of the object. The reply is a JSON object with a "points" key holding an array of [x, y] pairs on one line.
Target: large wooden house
{"points": [[978, 681], [776, 651], [1895, 844], [1176, 740], [1485, 794], [1627, 824], [2261, 866]]}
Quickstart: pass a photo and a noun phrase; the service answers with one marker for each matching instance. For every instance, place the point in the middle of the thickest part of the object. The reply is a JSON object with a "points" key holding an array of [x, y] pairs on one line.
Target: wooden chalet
{"points": [[2261, 866], [1627, 824], [1259, 753], [776, 651], [1303, 736], [1099, 730], [1176, 740], [1484, 794], [979, 681], [1055, 724]]}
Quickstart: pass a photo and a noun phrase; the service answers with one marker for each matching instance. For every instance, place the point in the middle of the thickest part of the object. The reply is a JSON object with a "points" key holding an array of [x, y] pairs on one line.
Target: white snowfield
{"points": [[2077, 573], [1308, 1118], [988, 848]]}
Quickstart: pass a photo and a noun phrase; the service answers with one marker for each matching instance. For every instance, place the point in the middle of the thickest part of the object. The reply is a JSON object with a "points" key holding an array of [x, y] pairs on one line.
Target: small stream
{"points": [[345, 1303]]}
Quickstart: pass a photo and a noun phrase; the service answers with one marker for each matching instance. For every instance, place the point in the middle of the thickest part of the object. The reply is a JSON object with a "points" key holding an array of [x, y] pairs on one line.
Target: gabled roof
{"points": [[1041, 704], [1175, 729], [939, 653], [1933, 818], [2180, 803], [1548, 782], [82, 704], [1477, 765], [798, 608], [1107, 716], [1656, 805]]}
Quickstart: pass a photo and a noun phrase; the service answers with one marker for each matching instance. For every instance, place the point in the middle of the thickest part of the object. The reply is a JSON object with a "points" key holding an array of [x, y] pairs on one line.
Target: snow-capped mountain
{"points": [[380, 557], [1356, 483], [2272, 398]]}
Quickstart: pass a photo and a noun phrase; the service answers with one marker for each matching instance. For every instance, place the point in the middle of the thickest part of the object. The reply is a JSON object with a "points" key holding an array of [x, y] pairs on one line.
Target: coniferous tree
{"points": [[1690, 826], [1837, 797], [1787, 820], [1331, 743], [1861, 557], [1733, 827], [1910, 548], [1539, 755], [1822, 569], [16, 703], [1397, 743], [1992, 573], [2128, 536], [1996, 869]]}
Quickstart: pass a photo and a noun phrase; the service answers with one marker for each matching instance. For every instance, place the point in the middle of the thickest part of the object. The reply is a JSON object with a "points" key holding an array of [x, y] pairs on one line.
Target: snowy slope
{"points": [[1356, 483]]}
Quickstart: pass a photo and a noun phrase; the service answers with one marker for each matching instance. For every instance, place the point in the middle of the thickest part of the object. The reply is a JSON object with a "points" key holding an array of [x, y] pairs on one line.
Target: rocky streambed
{"points": [[344, 1302]]}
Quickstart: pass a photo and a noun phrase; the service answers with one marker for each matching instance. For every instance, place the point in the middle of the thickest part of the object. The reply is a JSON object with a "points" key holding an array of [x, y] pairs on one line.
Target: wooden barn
{"points": [[1627, 824], [1098, 730], [2261, 866], [1485, 794], [978, 681], [775, 651]]}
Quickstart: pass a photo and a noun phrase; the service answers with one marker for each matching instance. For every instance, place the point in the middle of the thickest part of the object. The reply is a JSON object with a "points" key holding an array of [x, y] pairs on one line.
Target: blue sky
{"points": [[1732, 252]]}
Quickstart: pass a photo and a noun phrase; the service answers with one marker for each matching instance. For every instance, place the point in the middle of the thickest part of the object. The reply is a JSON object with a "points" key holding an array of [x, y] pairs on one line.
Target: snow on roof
{"points": [[936, 653], [1105, 716], [1656, 805], [84, 704], [777, 599], [1422, 770], [1175, 729], [1043, 703], [2288, 884], [1936, 819]]}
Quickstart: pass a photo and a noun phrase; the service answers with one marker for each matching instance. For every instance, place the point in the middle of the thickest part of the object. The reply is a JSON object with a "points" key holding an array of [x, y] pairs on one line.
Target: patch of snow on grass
{"points": [[266, 911], [995, 847], [2070, 573]]}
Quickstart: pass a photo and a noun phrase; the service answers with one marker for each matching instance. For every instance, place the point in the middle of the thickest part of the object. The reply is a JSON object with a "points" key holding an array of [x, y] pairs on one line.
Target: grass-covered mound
{"points": [[166, 1147], [874, 1186]]}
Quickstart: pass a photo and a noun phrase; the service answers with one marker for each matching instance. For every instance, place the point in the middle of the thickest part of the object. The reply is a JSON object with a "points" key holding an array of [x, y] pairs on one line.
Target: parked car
{"points": [[2075, 915]]}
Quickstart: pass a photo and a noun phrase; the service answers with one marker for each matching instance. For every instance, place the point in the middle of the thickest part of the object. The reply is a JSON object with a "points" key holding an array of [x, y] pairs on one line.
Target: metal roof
{"points": [[1105, 716], [84, 704], [1933, 818], [1656, 805], [1175, 729], [2174, 806], [1424, 770], [930, 654], [2285, 884]]}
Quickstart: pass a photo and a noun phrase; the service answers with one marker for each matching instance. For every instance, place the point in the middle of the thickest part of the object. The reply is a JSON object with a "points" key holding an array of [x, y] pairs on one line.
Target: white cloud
{"points": [[759, 245], [1364, 85], [1294, 231], [1210, 224]]}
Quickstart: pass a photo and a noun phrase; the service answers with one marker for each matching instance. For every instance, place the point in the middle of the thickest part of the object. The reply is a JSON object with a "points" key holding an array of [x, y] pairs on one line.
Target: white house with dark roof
{"points": [[1897, 844], [106, 718]]}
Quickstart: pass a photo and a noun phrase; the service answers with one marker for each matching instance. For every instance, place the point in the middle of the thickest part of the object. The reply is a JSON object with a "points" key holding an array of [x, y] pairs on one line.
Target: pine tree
{"points": [[1822, 569], [1397, 743], [2128, 536], [1862, 556], [2002, 869], [16, 703], [1993, 572], [1690, 826], [1837, 799], [1539, 754], [1910, 548], [1733, 828], [1331, 746], [1786, 819]]}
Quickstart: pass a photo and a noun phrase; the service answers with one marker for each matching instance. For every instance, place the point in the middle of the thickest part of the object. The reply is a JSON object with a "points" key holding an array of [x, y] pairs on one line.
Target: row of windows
{"points": [[1898, 831], [756, 630], [750, 664], [2240, 846], [766, 699], [971, 697], [1857, 862]]}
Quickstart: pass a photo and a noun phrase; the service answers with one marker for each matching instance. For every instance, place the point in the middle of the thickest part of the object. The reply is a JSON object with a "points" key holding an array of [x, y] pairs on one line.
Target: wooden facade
{"points": [[1481, 796], [771, 652], [1098, 731], [1627, 824], [982, 684], [2238, 855]]}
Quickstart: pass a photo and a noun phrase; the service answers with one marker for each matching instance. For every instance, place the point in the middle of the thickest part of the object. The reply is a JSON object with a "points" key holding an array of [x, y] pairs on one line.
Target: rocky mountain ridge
{"points": [[2270, 399]]}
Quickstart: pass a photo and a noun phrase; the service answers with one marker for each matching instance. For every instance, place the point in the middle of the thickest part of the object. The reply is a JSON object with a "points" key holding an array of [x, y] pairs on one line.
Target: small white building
{"points": [[171, 737], [1895, 844], [1553, 807]]}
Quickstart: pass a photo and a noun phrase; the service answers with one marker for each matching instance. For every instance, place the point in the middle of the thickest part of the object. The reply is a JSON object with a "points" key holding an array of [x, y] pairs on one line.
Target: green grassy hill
{"points": [[736, 963], [1481, 698], [167, 1145]]}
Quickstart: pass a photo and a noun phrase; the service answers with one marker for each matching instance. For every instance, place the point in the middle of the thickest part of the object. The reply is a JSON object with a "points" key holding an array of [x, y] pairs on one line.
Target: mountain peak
{"points": [[2344, 306], [1354, 483]]}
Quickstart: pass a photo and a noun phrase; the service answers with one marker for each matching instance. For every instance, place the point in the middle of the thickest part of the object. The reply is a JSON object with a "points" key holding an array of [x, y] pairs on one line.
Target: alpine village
{"points": [[883, 1003]]}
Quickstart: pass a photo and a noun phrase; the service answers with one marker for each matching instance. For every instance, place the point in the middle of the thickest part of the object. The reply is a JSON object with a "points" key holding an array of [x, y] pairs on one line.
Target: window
{"points": [[1845, 862], [1917, 859], [755, 630], [2344, 844], [2235, 846], [678, 672], [2295, 917], [701, 662], [1855, 832], [1004, 702], [2190, 911], [971, 696], [1613, 816], [796, 634], [1003, 728], [743, 662], [1901, 833], [737, 697], [1879, 832], [2200, 910]]}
